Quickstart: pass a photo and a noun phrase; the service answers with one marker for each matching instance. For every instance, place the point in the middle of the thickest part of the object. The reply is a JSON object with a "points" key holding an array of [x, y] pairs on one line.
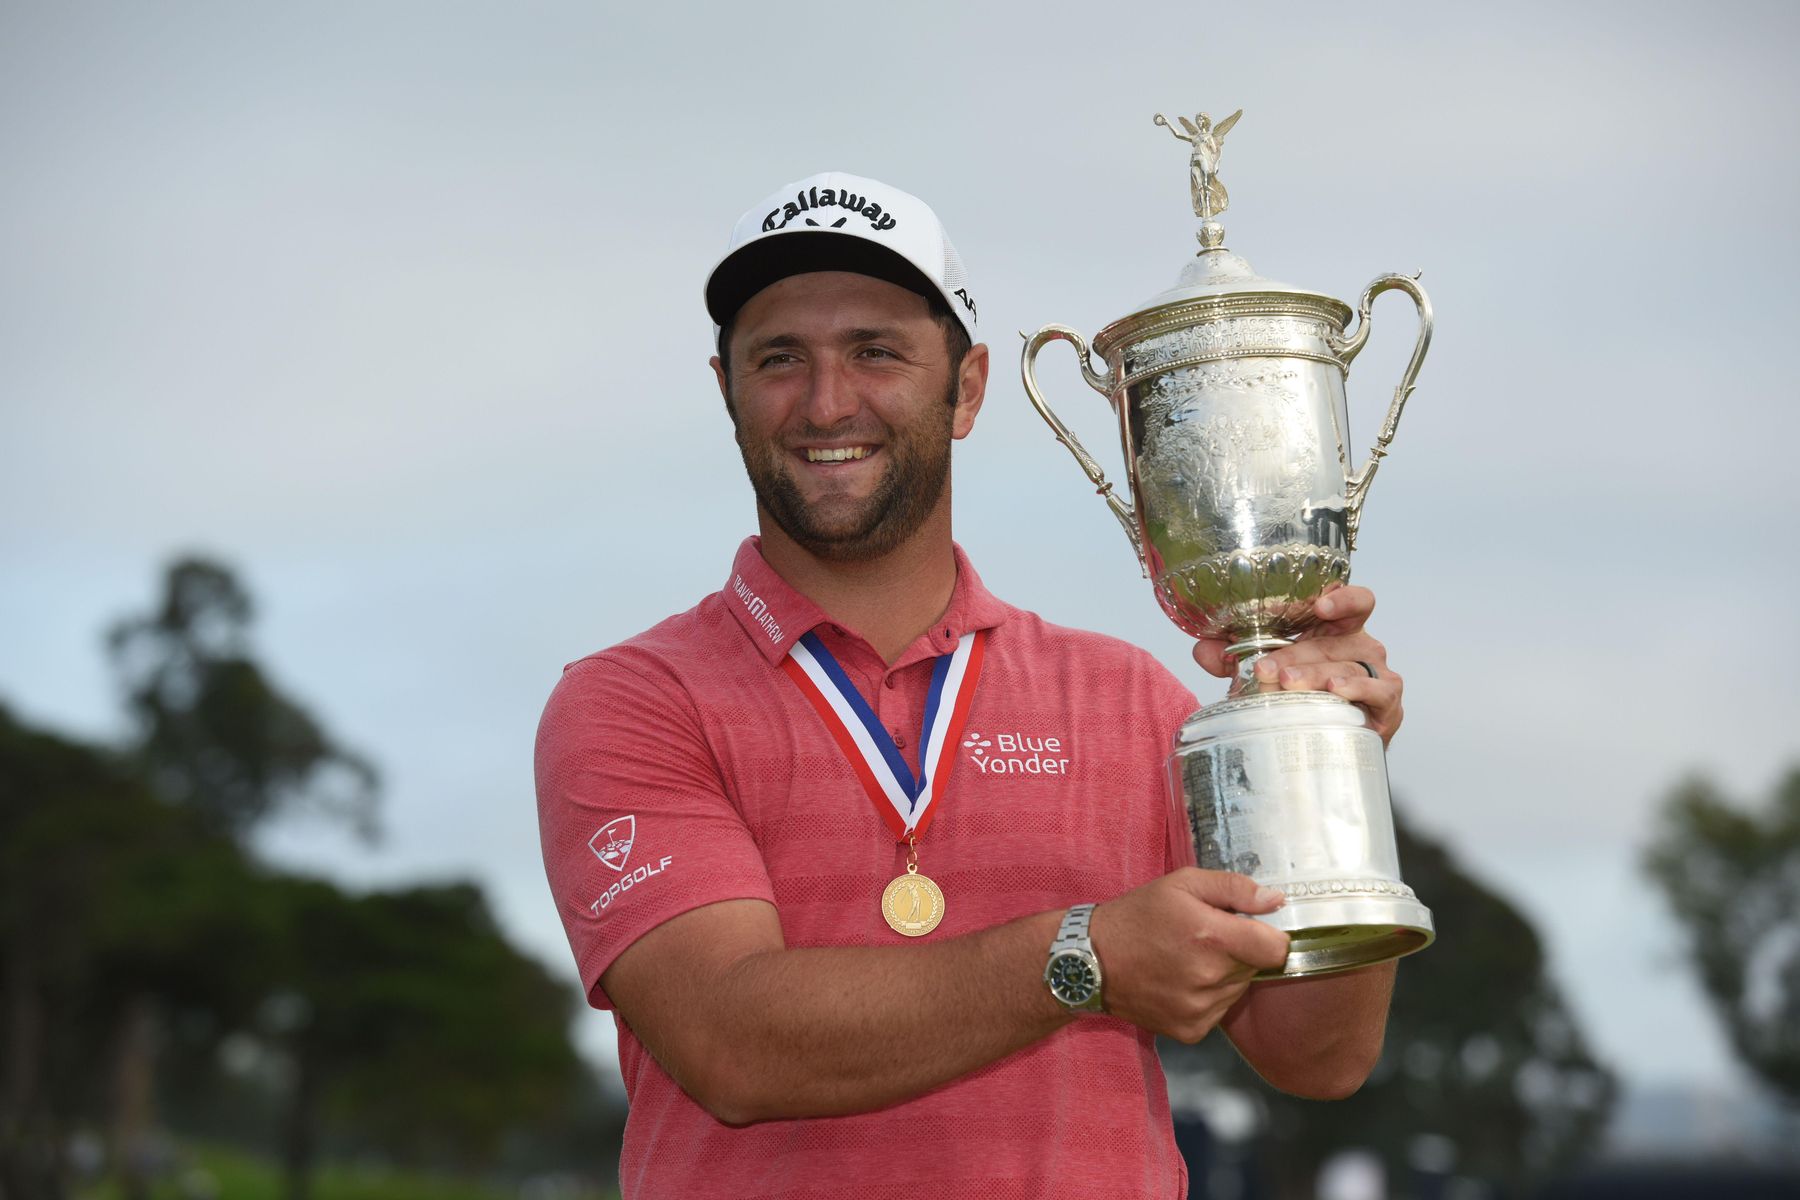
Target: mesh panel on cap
{"points": [[957, 280], [953, 269]]}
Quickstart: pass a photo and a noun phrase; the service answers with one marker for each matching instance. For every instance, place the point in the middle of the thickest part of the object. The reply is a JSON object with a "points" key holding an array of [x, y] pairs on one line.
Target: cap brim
{"points": [[754, 266]]}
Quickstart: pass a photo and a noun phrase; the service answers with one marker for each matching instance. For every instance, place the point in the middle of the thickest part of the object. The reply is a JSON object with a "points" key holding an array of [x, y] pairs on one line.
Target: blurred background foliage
{"points": [[1731, 874], [156, 975], [1484, 1075]]}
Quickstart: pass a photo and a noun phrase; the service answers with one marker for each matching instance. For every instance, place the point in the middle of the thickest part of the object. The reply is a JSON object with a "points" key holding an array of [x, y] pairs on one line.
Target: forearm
{"points": [[1317, 1037], [830, 1031]]}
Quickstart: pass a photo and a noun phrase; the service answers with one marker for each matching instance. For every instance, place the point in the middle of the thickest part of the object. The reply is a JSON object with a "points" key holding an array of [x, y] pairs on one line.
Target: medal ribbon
{"points": [[905, 804]]}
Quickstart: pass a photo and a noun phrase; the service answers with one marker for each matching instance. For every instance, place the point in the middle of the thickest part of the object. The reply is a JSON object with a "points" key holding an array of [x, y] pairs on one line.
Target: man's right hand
{"points": [[1177, 953]]}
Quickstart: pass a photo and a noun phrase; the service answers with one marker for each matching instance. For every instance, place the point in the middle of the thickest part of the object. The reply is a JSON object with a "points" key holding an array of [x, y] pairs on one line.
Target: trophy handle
{"points": [[1100, 383], [1347, 348]]}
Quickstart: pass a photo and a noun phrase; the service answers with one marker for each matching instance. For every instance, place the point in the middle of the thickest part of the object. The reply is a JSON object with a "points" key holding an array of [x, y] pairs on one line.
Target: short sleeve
{"points": [[633, 817]]}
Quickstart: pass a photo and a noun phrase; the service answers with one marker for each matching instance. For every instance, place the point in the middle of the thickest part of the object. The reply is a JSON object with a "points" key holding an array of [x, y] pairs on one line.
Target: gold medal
{"points": [[912, 904]]}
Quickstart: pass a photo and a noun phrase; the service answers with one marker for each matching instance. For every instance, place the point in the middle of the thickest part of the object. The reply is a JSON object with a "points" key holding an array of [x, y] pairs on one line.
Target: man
{"points": [[743, 809]]}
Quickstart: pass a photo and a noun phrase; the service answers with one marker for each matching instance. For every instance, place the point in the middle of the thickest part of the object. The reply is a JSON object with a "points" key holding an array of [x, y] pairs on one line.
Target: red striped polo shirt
{"points": [[683, 767]]}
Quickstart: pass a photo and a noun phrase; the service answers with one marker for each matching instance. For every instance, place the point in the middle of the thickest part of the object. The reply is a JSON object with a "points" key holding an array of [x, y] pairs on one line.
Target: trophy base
{"points": [[1363, 933], [1290, 788]]}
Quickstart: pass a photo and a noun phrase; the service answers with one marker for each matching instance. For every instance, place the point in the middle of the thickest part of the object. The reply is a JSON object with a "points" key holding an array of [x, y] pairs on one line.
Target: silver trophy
{"points": [[1229, 391]]}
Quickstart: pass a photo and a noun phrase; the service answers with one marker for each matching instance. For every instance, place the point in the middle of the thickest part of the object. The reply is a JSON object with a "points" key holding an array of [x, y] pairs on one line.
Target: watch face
{"points": [[1073, 979]]}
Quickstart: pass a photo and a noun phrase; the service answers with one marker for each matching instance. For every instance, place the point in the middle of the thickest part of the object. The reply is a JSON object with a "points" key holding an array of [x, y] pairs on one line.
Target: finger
{"points": [[1349, 648], [1344, 609], [1318, 677], [1355, 686], [1230, 891], [1246, 940], [1381, 698], [1210, 654]]}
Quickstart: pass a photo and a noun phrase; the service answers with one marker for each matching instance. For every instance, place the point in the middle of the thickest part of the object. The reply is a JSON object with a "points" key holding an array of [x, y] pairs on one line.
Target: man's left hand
{"points": [[1329, 657]]}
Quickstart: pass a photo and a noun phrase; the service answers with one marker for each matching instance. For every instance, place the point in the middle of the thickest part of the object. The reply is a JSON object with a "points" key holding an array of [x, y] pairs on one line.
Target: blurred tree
{"points": [[138, 934], [1732, 877], [408, 1017], [1483, 1067], [51, 791], [216, 738], [212, 731], [114, 908]]}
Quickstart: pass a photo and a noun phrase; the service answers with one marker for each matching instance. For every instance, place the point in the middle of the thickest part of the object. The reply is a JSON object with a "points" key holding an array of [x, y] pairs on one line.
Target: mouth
{"points": [[836, 454]]}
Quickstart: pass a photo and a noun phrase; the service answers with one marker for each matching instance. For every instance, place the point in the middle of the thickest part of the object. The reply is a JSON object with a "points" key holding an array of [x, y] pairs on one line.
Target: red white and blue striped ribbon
{"points": [[905, 803]]}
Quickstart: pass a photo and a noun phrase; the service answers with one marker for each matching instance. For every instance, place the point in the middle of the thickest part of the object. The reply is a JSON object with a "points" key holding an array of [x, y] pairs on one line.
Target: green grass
{"points": [[240, 1176]]}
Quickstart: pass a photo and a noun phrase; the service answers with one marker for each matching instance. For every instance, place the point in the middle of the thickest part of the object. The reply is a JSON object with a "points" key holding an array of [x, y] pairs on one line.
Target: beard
{"points": [[842, 530]]}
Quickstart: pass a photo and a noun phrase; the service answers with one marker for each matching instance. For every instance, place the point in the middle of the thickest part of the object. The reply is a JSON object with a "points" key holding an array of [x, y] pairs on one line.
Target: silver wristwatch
{"points": [[1073, 972]]}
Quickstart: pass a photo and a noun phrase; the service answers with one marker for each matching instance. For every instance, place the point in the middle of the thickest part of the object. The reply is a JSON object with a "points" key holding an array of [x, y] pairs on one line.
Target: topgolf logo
{"points": [[612, 844]]}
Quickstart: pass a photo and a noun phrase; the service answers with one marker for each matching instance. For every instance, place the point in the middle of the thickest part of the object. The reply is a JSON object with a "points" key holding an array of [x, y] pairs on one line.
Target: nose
{"points": [[830, 394]]}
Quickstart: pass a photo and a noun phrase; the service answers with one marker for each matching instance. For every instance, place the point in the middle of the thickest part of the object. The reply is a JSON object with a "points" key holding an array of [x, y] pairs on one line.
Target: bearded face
{"points": [[845, 404], [844, 523]]}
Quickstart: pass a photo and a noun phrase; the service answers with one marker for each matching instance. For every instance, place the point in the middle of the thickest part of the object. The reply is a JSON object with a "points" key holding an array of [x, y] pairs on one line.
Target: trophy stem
{"points": [[1248, 652]]}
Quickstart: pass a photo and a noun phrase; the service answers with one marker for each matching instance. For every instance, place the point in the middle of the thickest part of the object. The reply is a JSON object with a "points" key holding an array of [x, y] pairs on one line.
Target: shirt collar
{"points": [[971, 607], [774, 614]]}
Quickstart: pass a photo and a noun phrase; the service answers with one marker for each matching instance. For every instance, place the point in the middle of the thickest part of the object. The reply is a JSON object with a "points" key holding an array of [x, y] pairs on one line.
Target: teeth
{"points": [[843, 454]]}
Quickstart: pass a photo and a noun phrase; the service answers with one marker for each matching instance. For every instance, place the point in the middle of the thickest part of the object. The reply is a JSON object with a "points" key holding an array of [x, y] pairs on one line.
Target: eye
{"points": [[776, 359], [876, 352]]}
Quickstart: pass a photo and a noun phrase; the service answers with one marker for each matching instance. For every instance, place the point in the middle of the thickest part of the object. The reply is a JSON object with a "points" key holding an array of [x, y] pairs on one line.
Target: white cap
{"points": [[838, 222]]}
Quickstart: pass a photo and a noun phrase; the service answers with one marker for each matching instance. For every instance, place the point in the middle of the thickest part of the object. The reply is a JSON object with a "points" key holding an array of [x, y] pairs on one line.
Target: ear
{"points": [[971, 390], [718, 369]]}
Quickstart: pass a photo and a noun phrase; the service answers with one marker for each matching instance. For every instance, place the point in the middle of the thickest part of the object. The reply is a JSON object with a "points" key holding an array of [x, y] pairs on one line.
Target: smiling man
{"points": [[878, 872]]}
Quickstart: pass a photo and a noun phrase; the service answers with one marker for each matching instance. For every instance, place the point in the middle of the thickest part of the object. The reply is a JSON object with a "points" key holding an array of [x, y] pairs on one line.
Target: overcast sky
{"points": [[396, 308]]}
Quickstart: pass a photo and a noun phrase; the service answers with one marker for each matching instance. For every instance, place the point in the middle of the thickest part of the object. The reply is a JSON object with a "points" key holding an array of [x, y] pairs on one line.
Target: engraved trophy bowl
{"points": [[1244, 508]]}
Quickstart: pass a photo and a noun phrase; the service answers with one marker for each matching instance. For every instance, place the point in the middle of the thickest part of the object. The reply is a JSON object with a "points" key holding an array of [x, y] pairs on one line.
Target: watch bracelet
{"points": [[1072, 934]]}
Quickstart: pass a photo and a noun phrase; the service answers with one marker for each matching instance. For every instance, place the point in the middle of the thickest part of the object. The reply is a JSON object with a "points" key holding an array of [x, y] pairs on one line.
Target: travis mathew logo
{"points": [[612, 844], [1015, 754], [815, 198], [758, 610]]}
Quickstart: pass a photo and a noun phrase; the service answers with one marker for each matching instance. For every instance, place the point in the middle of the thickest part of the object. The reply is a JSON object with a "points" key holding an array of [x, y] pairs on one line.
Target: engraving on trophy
{"points": [[1218, 815], [1232, 457], [1242, 337], [1303, 753], [1251, 461], [1363, 887], [1178, 395]]}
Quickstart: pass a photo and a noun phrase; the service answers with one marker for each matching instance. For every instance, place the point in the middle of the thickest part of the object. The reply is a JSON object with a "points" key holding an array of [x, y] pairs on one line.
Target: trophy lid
{"points": [[1215, 271], [1216, 282]]}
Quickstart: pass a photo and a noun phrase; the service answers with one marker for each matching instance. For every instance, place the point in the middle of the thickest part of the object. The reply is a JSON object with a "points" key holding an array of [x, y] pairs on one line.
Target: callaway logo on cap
{"points": [[838, 222]]}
